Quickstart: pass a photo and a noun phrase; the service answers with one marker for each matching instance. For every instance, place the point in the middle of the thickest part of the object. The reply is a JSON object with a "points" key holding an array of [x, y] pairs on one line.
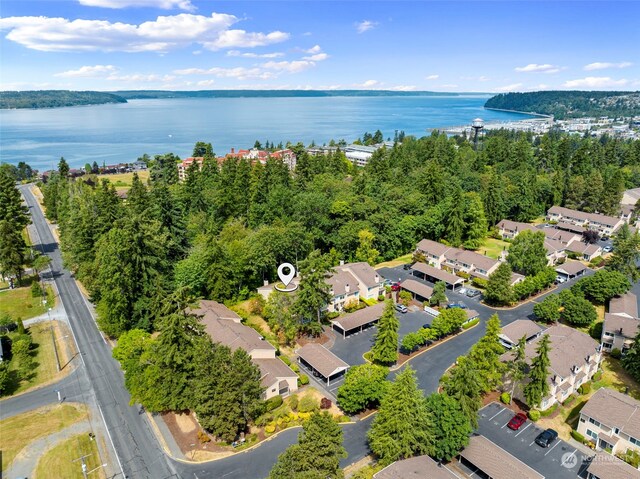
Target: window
{"points": [[608, 334], [592, 434], [594, 422], [634, 441], [616, 430]]}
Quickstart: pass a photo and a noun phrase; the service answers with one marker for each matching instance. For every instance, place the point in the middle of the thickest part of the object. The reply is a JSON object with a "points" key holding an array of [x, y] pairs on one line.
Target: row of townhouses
{"points": [[605, 225], [254, 155]]}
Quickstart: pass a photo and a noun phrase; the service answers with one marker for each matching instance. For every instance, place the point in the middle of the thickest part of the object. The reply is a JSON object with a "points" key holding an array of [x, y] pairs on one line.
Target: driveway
{"points": [[559, 461]]}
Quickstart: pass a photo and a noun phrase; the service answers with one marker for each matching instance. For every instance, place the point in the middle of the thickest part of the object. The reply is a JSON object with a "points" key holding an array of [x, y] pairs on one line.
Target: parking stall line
{"points": [[557, 442], [568, 458], [520, 432], [496, 414]]}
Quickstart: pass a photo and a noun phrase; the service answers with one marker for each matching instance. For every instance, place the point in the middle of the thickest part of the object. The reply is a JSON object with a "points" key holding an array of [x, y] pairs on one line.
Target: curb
{"points": [[519, 305]]}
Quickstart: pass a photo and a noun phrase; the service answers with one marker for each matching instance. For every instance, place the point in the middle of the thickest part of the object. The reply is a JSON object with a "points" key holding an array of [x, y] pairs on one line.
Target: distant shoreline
{"points": [[518, 111]]}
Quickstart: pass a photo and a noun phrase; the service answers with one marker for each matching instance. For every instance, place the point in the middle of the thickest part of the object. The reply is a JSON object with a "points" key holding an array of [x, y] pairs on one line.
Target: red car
{"points": [[517, 421], [395, 287]]}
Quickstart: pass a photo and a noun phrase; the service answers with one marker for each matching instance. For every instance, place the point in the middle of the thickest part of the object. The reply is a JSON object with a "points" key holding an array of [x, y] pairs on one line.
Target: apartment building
{"points": [[621, 323], [605, 225]]}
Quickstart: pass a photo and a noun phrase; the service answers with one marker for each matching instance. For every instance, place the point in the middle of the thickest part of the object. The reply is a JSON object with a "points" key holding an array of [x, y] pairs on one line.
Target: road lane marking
{"points": [[557, 442], [501, 411], [520, 432]]}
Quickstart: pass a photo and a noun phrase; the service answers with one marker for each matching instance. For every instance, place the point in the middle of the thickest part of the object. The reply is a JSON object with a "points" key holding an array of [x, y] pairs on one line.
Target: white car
{"points": [[561, 279]]}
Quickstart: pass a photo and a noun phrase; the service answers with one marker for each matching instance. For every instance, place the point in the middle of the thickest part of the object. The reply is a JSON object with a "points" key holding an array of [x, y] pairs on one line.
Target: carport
{"points": [[490, 461], [572, 269], [419, 292], [356, 322], [321, 362], [434, 275]]}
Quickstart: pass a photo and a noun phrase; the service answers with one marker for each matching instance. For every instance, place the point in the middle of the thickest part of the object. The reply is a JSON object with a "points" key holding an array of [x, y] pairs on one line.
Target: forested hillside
{"points": [[570, 104], [55, 98]]}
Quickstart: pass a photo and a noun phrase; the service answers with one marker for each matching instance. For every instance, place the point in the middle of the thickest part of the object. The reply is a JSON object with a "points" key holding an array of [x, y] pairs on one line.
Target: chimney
{"points": [[376, 278], [341, 262], [621, 331], [347, 288], [266, 282], [233, 150]]}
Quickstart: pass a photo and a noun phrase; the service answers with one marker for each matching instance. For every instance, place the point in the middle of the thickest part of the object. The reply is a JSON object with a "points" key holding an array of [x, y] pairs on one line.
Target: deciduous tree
{"points": [[451, 428], [364, 387]]}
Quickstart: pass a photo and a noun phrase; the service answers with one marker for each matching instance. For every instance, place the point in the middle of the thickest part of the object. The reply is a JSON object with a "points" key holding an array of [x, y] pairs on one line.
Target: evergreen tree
{"points": [[137, 197], [631, 359], [438, 297], [385, 348], [493, 199], [13, 219], [485, 355], [317, 454], [538, 388], [63, 168], [455, 219], [499, 290], [464, 385], [402, 428], [626, 253], [475, 220], [451, 428]]}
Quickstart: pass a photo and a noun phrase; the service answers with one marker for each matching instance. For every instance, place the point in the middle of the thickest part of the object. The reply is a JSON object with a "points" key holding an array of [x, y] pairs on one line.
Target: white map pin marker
{"points": [[286, 277]]}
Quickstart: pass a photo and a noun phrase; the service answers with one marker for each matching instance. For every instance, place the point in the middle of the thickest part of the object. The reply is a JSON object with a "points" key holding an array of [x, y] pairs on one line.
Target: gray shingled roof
{"points": [[421, 467], [272, 370], [235, 335], [608, 466], [360, 318], [516, 226], [571, 268], [520, 327], [321, 359], [621, 325], [625, 304], [495, 461], [436, 273], [339, 282], [432, 247], [417, 288], [615, 409], [364, 272]]}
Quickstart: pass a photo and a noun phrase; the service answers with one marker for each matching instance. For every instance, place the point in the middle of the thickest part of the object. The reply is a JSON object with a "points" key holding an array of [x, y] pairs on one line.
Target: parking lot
{"points": [[559, 461]]}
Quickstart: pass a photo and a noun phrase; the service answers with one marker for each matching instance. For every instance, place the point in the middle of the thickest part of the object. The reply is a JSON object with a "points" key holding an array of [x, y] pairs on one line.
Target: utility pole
{"points": [[84, 465]]}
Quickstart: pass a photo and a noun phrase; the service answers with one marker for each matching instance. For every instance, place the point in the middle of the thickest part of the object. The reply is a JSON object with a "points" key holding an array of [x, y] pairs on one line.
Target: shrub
{"points": [[479, 282], [597, 376], [304, 415], [569, 401], [471, 323], [463, 275], [369, 302], [273, 403], [616, 353], [343, 418], [534, 415], [307, 404], [203, 437], [286, 360], [263, 420], [578, 437], [256, 305], [303, 380], [585, 388], [270, 429], [295, 368], [505, 398], [549, 411], [630, 457], [381, 297], [293, 403], [36, 289], [325, 403], [595, 331], [332, 315]]}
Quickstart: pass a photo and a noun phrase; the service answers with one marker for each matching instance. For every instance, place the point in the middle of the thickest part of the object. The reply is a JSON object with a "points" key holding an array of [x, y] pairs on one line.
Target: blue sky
{"points": [[442, 46]]}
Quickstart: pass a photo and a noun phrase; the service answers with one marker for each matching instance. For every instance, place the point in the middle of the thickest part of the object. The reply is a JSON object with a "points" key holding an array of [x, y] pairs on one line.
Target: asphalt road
{"points": [[138, 451]]}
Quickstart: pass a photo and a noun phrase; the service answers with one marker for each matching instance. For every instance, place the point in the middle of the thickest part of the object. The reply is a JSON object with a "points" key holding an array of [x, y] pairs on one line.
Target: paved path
{"points": [[26, 461]]}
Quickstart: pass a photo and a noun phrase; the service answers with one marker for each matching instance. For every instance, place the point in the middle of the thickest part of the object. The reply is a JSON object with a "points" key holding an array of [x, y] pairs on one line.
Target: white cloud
{"points": [[88, 71], [432, 77], [606, 65], [141, 78], [240, 73], [243, 39], [507, 88], [368, 84], [313, 50], [365, 25], [481, 78], [164, 4], [318, 57], [236, 53], [291, 67], [403, 88], [206, 83], [160, 35], [536, 68], [449, 85], [594, 82]]}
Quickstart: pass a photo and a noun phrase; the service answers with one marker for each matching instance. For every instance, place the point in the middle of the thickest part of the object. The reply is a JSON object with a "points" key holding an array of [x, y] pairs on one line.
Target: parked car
{"points": [[560, 279], [459, 304], [473, 293], [426, 326], [395, 287], [407, 266], [607, 249], [517, 421], [401, 307], [463, 290], [546, 438]]}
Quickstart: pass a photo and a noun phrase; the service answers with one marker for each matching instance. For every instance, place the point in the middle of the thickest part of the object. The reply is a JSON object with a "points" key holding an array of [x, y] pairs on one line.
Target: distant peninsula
{"points": [[569, 104], [55, 98], [61, 98]]}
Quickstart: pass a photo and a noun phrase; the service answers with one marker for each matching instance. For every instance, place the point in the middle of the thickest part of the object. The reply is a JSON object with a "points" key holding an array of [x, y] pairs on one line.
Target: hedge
{"points": [[616, 353], [597, 376], [549, 411], [585, 388], [534, 415], [303, 379], [578, 437], [505, 398], [471, 323]]}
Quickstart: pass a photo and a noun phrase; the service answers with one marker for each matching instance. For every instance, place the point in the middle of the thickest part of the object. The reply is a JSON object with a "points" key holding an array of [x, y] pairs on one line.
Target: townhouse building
{"points": [[621, 323], [605, 225]]}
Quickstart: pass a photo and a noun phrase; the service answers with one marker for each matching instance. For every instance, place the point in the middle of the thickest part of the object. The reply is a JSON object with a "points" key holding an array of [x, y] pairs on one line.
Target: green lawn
{"points": [[615, 377], [59, 460], [122, 181], [18, 431], [19, 303], [404, 259], [493, 248]]}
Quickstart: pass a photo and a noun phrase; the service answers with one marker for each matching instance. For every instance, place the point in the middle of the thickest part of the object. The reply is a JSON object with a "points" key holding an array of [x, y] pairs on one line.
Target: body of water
{"points": [[123, 132]]}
